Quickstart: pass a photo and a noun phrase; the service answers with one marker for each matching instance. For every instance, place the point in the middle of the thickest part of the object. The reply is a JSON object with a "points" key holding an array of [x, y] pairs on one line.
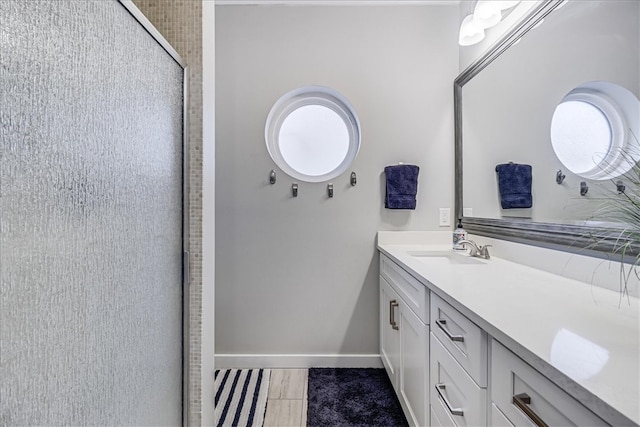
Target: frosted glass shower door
{"points": [[90, 218]]}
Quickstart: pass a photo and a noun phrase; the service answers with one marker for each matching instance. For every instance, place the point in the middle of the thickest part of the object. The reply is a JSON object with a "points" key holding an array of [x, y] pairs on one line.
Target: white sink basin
{"points": [[448, 257]]}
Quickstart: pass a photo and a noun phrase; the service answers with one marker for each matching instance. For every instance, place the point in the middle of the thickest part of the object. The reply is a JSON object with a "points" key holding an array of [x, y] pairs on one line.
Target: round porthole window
{"points": [[594, 129], [313, 133]]}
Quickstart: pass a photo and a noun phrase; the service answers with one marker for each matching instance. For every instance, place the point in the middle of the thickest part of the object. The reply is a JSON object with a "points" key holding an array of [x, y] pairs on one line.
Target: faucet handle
{"points": [[473, 246], [484, 251]]}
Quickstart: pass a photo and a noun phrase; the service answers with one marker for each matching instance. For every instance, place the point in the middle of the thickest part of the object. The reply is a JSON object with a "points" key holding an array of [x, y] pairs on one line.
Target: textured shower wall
{"points": [[90, 218], [180, 22]]}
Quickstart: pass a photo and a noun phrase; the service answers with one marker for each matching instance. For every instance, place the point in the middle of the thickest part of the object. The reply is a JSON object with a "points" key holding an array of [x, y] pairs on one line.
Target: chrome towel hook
{"points": [[584, 188], [330, 190], [354, 179], [272, 177], [294, 189], [560, 176]]}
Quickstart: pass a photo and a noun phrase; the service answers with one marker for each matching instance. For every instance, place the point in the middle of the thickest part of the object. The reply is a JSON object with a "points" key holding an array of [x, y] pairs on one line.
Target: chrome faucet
{"points": [[475, 250]]}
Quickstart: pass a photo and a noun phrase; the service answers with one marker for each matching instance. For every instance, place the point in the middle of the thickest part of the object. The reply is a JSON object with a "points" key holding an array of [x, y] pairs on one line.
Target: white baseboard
{"points": [[245, 361]]}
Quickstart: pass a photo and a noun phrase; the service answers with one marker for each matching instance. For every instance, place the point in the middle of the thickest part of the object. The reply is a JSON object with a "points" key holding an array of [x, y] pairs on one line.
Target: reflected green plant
{"points": [[622, 208]]}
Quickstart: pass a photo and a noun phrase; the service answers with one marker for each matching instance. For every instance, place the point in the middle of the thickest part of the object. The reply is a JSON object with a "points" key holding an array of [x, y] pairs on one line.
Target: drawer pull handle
{"points": [[392, 316], [455, 411], [441, 324], [523, 401]]}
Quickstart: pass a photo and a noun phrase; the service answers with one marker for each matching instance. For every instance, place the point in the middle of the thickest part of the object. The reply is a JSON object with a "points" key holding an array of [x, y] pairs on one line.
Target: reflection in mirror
{"points": [[579, 129], [576, 356], [594, 128], [507, 107]]}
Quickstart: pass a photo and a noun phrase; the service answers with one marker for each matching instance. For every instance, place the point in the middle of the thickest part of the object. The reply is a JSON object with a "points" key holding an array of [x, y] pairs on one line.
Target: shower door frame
{"points": [[159, 38]]}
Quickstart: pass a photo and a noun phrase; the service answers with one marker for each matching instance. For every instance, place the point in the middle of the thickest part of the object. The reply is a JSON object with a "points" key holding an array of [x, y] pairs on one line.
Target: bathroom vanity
{"points": [[473, 342]]}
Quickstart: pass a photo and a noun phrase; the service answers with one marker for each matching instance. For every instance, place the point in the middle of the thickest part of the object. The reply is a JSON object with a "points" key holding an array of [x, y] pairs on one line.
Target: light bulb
{"points": [[486, 14], [470, 32]]}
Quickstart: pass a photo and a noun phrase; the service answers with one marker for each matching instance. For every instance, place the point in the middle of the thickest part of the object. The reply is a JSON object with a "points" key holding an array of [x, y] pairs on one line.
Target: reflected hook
{"points": [[584, 188]]}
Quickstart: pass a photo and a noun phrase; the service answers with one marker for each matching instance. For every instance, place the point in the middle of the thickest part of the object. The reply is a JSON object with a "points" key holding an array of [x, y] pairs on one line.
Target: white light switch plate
{"points": [[444, 220]]}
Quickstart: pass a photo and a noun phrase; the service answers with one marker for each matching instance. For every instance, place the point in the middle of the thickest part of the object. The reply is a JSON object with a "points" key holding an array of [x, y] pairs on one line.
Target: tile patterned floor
{"points": [[287, 399]]}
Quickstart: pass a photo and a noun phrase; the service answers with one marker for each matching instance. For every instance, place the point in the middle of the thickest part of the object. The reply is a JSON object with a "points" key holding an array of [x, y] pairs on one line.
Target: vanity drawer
{"points": [[517, 388], [434, 421], [455, 397], [498, 419], [414, 293], [463, 338]]}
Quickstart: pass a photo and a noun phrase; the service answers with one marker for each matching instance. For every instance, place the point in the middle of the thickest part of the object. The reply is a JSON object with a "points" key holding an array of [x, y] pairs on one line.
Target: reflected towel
{"points": [[514, 184], [402, 186]]}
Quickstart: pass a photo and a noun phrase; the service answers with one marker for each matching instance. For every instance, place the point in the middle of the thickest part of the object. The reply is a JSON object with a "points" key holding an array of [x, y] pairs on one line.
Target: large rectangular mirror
{"points": [[505, 104]]}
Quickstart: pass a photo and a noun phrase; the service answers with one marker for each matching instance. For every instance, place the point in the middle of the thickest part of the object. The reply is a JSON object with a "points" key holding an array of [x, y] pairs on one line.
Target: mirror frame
{"points": [[602, 242]]}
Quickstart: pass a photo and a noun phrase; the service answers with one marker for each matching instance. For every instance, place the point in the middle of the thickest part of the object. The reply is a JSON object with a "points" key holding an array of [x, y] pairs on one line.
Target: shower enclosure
{"points": [[91, 216]]}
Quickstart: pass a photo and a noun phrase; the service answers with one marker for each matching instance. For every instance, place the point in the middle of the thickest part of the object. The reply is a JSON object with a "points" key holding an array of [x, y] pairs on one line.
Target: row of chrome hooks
{"points": [[584, 188], [294, 186]]}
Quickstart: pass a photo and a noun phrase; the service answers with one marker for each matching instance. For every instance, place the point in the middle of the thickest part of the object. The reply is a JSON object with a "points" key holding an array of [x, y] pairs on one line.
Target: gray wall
{"points": [[300, 276]]}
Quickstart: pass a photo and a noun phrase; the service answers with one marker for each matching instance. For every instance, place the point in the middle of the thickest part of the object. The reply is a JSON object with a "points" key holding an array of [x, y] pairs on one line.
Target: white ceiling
{"points": [[336, 2]]}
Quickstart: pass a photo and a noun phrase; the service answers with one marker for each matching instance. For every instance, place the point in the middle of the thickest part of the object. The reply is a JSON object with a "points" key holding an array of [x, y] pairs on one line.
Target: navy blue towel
{"points": [[514, 183], [402, 186]]}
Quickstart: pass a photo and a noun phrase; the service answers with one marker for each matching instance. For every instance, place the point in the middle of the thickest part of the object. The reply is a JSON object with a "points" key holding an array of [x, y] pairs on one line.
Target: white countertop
{"points": [[582, 337]]}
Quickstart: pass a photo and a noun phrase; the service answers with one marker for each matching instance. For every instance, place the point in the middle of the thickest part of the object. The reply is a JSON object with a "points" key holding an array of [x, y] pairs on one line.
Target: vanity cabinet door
{"points": [[390, 332], [528, 398], [414, 360]]}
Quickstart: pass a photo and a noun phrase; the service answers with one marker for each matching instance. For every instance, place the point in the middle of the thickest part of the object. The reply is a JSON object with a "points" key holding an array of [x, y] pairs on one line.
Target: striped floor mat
{"points": [[241, 396]]}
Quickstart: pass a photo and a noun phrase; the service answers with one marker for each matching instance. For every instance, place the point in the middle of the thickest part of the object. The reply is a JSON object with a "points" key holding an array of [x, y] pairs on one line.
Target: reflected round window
{"points": [[313, 133], [593, 128], [581, 135]]}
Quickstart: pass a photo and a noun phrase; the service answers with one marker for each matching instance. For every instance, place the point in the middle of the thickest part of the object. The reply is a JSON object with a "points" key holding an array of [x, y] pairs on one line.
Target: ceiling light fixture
{"points": [[470, 32], [505, 4], [486, 14]]}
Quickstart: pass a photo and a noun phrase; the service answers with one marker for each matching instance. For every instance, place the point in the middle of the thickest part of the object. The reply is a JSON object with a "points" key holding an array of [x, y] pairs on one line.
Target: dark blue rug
{"points": [[352, 397]]}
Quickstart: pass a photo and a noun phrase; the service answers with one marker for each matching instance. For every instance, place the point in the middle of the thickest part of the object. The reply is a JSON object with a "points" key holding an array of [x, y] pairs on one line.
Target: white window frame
{"points": [[623, 152], [312, 95]]}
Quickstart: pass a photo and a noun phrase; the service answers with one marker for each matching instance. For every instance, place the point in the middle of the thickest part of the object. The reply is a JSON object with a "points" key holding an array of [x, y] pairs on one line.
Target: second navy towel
{"points": [[514, 184]]}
